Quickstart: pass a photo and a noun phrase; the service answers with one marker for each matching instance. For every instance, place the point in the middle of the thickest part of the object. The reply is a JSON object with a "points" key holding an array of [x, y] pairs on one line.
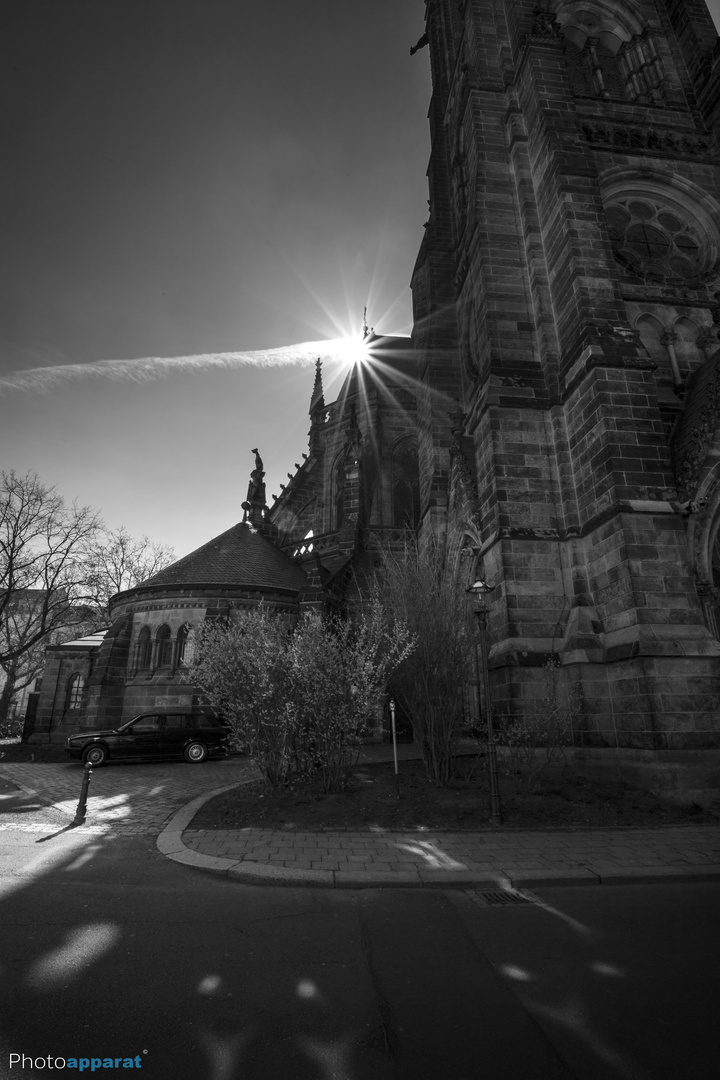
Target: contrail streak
{"points": [[147, 368]]}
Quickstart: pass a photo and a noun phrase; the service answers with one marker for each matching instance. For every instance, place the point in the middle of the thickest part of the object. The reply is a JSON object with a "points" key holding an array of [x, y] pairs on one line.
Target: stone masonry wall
{"points": [[576, 493]]}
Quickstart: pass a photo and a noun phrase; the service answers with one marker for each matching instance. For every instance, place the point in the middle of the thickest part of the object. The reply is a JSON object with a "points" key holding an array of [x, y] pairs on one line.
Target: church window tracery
{"points": [[652, 241]]}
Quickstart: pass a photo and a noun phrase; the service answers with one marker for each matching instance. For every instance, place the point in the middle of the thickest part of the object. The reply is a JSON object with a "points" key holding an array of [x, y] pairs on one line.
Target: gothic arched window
{"points": [[339, 493], [594, 70], [661, 345], [652, 333], [685, 335], [611, 54], [144, 650], [73, 696], [405, 489], [164, 647], [185, 645]]}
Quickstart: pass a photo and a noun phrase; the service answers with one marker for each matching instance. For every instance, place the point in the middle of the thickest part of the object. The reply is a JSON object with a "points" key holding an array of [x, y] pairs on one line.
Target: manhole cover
{"points": [[502, 897]]}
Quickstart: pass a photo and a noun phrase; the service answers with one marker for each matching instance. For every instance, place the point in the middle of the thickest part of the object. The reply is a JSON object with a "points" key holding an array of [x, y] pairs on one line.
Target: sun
{"points": [[353, 349]]}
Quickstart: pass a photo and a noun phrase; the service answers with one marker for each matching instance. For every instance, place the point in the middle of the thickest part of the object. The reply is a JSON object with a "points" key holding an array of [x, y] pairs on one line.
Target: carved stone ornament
{"points": [[715, 312], [708, 592], [646, 140], [463, 265], [545, 26]]}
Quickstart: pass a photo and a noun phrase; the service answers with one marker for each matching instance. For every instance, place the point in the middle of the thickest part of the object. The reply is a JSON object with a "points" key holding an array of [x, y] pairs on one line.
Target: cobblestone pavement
{"points": [[131, 798], [592, 855]]}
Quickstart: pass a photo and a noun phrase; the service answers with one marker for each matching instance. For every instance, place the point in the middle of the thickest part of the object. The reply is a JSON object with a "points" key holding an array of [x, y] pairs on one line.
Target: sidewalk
{"points": [[152, 799], [492, 858]]}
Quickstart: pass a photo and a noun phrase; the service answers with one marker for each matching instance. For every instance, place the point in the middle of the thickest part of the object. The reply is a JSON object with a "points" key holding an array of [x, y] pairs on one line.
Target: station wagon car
{"points": [[192, 736]]}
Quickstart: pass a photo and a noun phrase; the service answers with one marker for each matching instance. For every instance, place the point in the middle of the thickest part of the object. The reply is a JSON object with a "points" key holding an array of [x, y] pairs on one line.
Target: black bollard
{"points": [[79, 818]]}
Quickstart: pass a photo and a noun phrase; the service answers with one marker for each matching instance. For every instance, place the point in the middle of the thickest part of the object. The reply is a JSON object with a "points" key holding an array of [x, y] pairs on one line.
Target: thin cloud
{"points": [[149, 368]]}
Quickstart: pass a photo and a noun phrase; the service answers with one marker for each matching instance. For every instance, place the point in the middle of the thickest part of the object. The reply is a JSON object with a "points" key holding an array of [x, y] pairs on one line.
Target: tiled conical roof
{"points": [[240, 557]]}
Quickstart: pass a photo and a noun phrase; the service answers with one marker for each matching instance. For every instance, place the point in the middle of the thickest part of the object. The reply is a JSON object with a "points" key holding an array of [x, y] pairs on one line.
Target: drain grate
{"points": [[502, 897]]}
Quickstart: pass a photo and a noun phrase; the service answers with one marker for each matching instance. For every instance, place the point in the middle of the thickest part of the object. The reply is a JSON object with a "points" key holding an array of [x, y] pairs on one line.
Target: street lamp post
{"points": [[479, 590]]}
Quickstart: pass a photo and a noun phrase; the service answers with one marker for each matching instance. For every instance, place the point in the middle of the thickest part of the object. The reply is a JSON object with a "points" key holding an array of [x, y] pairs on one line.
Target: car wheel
{"points": [[195, 752], [95, 756]]}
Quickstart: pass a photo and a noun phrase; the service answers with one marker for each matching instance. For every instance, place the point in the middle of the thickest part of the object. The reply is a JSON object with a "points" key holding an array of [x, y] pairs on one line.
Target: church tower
{"points": [[567, 311]]}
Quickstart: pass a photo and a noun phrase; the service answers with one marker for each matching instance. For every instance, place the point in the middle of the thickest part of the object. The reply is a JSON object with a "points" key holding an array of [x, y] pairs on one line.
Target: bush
{"points": [[11, 728], [298, 699]]}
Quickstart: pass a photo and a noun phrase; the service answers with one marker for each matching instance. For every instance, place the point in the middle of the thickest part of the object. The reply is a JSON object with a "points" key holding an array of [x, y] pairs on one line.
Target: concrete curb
{"points": [[246, 872]]}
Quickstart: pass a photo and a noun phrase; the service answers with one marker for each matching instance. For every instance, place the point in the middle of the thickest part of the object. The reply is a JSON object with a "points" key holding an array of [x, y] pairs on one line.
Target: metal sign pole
{"points": [[394, 739]]}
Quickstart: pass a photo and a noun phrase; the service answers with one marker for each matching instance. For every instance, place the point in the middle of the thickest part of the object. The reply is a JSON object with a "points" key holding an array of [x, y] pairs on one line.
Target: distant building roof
{"points": [[90, 641], [240, 557]]}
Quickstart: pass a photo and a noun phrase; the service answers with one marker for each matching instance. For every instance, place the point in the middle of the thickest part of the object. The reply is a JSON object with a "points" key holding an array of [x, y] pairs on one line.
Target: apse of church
{"points": [[567, 294]]}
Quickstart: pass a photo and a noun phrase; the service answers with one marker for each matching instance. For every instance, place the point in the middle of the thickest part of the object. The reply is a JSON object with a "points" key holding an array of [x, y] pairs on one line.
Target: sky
{"points": [[197, 178]]}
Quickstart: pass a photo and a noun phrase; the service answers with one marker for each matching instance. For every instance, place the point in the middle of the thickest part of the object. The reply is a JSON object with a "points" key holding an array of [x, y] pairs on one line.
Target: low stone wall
{"points": [[682, 776]]}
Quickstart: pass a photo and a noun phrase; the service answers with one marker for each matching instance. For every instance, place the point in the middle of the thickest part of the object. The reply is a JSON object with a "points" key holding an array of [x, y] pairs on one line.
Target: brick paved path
{"points": [[138, 798], [436, 856]]}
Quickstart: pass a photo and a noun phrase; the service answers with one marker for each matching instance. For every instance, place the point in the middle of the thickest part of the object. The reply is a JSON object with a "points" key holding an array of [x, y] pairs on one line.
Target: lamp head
{"points": [[480, 588]]}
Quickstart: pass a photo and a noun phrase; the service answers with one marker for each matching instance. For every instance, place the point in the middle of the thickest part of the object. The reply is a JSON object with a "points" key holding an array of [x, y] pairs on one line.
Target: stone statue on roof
{"points": [[255, 504]]}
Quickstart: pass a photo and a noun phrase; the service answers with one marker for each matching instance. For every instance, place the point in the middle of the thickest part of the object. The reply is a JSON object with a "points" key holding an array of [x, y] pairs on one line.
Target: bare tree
{"points": [[117, 561], [430, 683], [43, 572]]}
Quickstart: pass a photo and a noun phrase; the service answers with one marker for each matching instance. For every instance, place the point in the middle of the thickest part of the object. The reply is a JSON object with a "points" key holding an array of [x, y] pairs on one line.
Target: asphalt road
{"points": [[109, 951]]}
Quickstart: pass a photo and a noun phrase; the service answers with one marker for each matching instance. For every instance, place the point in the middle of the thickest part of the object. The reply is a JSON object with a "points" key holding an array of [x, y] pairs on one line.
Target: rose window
{"points": [[652, 241]]}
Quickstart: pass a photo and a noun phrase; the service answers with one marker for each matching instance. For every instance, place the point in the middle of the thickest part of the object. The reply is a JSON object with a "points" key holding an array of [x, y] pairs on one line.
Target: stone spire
{"points": [[317, 401], [317, 411], [255, 505]]}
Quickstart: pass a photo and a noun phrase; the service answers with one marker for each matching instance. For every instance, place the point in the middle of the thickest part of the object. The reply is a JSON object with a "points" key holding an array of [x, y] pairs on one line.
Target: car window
{"points": [[202, 721], [146, 725], [174, 723]]}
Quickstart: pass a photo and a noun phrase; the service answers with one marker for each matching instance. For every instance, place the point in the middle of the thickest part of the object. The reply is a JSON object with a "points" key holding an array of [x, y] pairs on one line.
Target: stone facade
{"points": [[566, 304]]}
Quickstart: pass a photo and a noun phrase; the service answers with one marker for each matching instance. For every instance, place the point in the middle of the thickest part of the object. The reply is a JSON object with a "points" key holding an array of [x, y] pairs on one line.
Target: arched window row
{"points": [[164, 651]]}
